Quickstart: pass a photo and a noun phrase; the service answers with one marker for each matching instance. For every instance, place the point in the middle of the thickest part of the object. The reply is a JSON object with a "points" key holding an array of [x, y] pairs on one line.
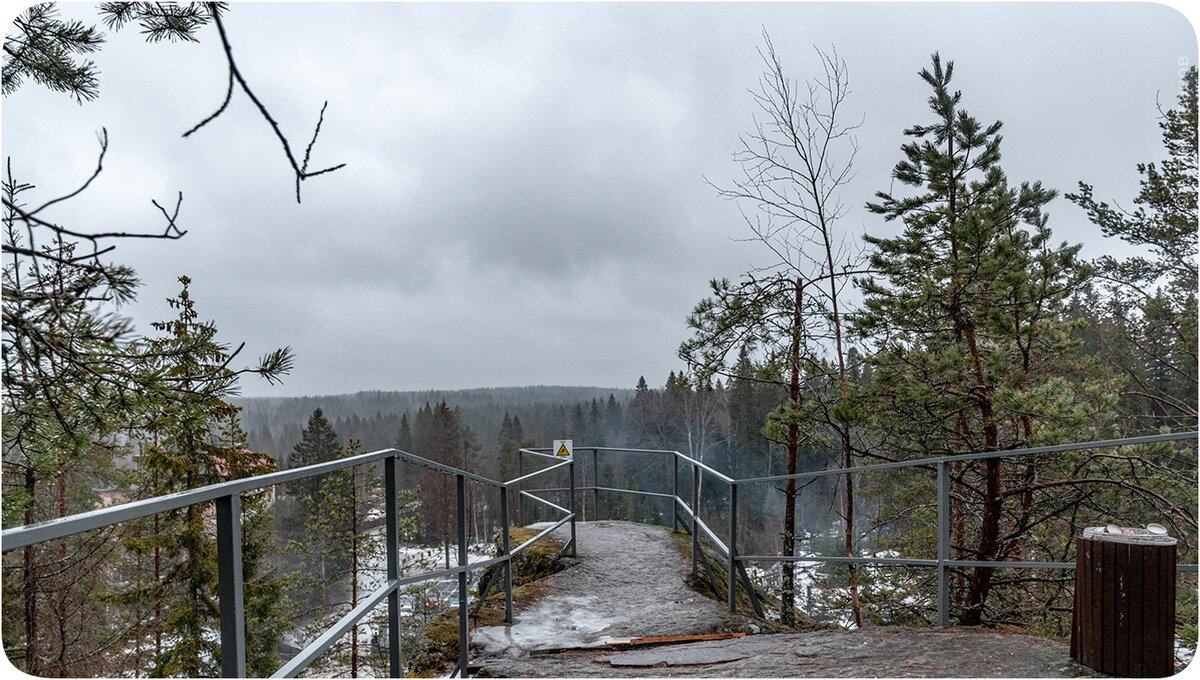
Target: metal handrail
{"points": [[980, 455], [940, 464], [229, 560], [228, 528], [40, 532]]}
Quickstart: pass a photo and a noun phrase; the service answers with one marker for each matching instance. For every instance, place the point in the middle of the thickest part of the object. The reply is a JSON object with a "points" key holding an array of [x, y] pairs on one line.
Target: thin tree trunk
{"points": [[29, 579], [157, 582], [989, 532], [63, 589], [787, 613], [354, 569], [844, 429]]}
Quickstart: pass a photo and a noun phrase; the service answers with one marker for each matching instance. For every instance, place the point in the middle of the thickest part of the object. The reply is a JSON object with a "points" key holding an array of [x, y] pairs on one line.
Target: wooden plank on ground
{"points": [[670, 639]]}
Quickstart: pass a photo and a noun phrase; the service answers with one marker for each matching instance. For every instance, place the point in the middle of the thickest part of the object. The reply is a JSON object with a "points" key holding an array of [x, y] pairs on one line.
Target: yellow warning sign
{"points": [[562, 448]]}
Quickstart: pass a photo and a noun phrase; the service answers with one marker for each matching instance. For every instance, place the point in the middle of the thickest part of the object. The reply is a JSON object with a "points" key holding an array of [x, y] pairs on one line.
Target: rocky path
{"points": [[628, 581]]}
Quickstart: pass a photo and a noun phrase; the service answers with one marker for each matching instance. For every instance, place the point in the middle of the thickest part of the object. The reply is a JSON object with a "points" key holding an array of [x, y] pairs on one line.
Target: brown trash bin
{"points": [[1124, 616]]}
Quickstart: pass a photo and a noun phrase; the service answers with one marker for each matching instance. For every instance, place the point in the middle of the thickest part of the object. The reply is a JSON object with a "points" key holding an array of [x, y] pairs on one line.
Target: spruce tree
{"points": [[438, 492], [507, 443], [423, 430], [185, 443], [318, 444], [613, 421], [404, 437]]}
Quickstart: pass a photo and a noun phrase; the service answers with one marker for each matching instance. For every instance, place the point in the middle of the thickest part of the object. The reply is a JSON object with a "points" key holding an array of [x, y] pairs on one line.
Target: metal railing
{"points": [[226, 496], [230, 585], [941, 464]]}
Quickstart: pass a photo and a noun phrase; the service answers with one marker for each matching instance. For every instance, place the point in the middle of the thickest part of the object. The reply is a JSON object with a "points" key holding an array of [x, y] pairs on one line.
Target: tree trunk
{"points": [[354, 569], [787, 596], [989, 531], [848, 461], [29, 580]]}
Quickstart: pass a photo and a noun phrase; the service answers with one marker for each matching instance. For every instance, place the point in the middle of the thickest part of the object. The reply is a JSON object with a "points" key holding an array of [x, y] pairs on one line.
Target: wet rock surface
{"points": [[872, 652], [629, 582]]}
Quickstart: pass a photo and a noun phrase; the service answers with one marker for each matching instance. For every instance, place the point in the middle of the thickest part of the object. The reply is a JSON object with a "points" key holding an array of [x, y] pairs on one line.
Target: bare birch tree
{"points": [[794, 167]]}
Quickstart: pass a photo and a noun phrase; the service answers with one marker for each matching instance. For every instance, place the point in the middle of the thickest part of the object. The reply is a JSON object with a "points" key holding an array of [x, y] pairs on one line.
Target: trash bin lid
{"points": [[1129, 535]]}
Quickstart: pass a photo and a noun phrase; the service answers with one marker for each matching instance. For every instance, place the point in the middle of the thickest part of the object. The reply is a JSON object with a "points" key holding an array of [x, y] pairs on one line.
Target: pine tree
{"points": [[968, 310], [1152, 313], [793, 164], [46, 49], [340, 542]]}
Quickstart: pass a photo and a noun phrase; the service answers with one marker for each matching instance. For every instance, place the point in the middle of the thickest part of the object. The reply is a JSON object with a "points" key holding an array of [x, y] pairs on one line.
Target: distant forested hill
{"points": [[546, 412]]}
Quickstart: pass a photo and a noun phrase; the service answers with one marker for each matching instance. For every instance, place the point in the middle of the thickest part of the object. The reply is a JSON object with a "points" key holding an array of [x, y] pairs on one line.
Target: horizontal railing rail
{"points": [[226, 496], [933, 461], [939, 464], [230, 586]]}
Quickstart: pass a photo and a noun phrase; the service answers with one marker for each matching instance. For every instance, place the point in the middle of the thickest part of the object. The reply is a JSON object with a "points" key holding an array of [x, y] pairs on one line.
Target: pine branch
{"points": [[235, 75]]}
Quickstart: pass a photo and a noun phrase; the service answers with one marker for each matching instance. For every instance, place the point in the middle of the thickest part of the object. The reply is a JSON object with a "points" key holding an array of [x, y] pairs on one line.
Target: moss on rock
{"points": [[439, 647]]}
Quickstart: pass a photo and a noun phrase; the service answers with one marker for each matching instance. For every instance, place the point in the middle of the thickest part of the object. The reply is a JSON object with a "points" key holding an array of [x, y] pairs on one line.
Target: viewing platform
{"points": [[629, 581]]}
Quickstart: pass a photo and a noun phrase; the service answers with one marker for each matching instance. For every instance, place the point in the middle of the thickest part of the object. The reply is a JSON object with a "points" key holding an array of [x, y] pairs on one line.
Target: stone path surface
{"points": [[867, 653], [629, 581]]}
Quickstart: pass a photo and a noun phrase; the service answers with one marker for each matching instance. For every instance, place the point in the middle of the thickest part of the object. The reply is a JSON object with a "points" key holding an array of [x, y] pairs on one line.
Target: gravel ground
{"points": [[628, 581]]}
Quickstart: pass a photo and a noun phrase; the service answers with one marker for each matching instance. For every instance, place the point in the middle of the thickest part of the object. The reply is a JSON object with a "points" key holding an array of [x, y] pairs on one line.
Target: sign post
{"points": [[563, 448]]}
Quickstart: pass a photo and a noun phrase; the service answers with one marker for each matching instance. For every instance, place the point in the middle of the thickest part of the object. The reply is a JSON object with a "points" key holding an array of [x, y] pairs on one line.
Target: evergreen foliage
{"points": [[193, 441], [47, 50], [967, 309], [318, 444], [1148, 321]]}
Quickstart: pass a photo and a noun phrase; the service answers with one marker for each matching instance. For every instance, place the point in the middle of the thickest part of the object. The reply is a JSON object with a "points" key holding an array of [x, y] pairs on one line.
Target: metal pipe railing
{"points": [[940, 464], [230, 585], [226, 495]]}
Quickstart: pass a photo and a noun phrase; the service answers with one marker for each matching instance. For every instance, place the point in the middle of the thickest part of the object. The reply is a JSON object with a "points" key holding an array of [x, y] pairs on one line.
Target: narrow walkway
{"points": [[629, 581]]}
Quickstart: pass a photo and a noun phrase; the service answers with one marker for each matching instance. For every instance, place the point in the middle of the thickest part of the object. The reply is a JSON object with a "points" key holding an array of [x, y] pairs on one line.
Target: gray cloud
{"points": [[524, 198]]}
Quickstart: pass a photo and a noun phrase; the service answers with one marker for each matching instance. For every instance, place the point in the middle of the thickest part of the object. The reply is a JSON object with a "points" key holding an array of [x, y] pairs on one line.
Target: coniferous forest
{"points": [[959, 322]]}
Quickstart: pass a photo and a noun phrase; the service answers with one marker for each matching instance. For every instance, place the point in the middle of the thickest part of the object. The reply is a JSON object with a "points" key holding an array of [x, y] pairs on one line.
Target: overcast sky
{"points": [[524, 198]]}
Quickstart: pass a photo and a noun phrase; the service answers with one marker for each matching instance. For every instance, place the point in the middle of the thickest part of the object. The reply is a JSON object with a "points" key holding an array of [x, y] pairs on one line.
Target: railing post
{"points": [[674, 491], [695, 519], [391, 484], [508, 600], [229, 586], [571, 473], [733, 546], [595, 484], [521, 499], [943, 544], [462, 576]]}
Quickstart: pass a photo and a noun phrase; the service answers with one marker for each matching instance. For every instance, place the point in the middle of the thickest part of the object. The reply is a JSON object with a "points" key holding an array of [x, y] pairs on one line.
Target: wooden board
{"points": [[670, 639]]}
